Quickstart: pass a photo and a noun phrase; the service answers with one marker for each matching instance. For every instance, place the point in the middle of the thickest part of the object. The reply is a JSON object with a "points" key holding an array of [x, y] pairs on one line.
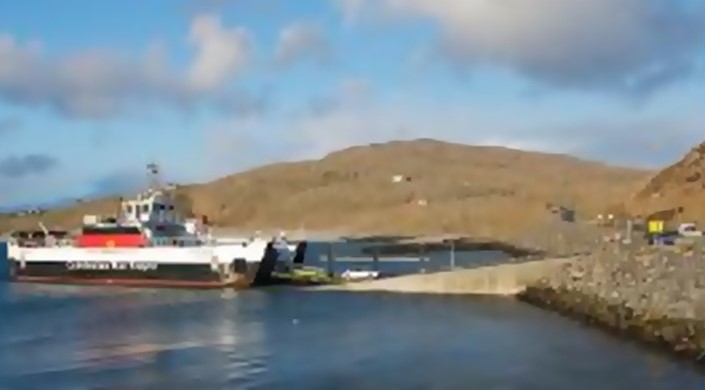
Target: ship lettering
{"points": [[110, 266], [143, 266], [120, 266], [89, 265]]}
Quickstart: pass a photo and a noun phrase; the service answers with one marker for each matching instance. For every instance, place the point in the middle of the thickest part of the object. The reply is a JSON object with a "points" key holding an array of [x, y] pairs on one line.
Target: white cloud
{"points": [[349, 126], [300, 41], [603, 132], [625, 45], [221, 52], [100, 82], [630, 140]]}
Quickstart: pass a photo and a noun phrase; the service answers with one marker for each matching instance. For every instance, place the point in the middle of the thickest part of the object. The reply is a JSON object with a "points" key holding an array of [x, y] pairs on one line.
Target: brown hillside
{"points": [[478, 190], [679, 186]]}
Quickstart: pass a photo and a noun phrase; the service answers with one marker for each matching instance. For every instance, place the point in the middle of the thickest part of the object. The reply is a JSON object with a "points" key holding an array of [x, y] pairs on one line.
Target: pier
{"points": [[503, 279]]}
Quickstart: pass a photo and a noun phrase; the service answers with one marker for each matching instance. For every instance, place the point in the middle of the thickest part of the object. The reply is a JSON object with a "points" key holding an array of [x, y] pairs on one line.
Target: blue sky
{"points": [[91, 91]]}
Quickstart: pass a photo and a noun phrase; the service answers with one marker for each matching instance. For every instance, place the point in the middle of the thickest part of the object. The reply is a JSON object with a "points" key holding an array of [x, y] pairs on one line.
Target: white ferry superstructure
{"points": [[148, 244]]}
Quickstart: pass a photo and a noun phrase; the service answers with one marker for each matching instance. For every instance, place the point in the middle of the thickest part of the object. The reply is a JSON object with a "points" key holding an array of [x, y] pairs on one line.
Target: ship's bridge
{"points": [[150, 208]]}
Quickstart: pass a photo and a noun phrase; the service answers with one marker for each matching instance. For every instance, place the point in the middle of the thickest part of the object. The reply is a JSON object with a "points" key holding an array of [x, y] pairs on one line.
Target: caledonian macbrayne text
{"points": [[110, 266]]}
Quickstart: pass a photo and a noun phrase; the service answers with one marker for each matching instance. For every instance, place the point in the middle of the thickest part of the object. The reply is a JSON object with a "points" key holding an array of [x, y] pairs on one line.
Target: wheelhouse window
{"points": [[110, 230]]}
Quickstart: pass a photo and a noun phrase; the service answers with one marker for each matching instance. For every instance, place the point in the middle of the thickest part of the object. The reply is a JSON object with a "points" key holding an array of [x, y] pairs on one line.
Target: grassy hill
{"points": [[450, 188]]}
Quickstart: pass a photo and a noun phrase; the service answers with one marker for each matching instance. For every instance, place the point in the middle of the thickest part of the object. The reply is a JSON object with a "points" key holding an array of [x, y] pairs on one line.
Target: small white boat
{"points": [[359, 274]]}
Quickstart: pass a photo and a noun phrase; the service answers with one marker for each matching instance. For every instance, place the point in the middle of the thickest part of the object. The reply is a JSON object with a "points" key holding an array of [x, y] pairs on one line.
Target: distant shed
{"points": [[400, 178]]}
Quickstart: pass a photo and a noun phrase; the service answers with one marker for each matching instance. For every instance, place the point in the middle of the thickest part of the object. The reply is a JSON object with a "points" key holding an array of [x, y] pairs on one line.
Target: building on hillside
{"points": [[30, 211], [567, 215], [400, 179]]}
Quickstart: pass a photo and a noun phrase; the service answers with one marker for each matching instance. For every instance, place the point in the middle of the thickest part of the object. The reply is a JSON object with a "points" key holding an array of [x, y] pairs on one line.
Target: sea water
{"points": [[63, 337], [4, 266], [71, 337]]}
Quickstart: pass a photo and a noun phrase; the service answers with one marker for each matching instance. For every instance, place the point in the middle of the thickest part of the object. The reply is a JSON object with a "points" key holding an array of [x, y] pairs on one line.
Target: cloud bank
{"points": [[101, 83], [18, 167], [352, 114], [633, 46], [220, 52]]}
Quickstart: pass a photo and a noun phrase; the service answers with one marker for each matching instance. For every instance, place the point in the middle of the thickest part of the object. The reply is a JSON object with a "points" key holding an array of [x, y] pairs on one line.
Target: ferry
{"points": [[147, 243]]}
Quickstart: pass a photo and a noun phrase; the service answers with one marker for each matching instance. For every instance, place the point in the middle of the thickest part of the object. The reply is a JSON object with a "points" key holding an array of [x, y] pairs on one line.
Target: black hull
{"points": [[186, 275], [237, 274]]}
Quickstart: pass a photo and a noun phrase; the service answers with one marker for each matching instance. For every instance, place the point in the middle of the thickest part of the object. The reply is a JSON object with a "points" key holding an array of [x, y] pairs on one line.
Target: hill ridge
{"points": [[450, 187], [680, 186]]}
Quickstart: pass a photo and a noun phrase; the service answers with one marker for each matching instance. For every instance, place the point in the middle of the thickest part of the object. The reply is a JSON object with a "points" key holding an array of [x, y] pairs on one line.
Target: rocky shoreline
{"points": [[655, 296], [652, 295]]}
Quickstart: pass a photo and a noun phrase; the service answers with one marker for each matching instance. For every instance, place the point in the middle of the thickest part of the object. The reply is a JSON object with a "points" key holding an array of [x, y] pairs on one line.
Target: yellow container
{"points": [[655, 226]]}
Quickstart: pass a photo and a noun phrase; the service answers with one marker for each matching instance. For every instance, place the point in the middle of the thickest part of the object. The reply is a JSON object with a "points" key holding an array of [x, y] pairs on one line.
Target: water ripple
{"points": [[122, 339]]}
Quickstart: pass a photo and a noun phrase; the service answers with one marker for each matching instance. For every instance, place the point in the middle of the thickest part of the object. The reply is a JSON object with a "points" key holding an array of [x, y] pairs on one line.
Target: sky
{"points": [[92, 91]]}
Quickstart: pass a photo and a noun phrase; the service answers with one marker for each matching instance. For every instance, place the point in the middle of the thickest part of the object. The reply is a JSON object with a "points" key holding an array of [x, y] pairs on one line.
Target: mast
{"points": [[153, 177]]}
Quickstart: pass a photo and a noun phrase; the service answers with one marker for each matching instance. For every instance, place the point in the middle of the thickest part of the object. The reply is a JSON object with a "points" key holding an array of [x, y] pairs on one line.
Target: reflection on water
{"points": [[128, 336], [65, 337]]}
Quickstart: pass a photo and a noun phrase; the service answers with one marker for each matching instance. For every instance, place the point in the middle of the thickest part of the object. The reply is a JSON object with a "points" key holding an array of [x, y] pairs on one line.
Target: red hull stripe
{"points": [[111, 240], [127, 282]]}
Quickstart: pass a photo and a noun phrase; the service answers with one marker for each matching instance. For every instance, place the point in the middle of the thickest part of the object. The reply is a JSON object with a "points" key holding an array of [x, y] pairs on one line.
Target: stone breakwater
{"points": [[657, 297]]}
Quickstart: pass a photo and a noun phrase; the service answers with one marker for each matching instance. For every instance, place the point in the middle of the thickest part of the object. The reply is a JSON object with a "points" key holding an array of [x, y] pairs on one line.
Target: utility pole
{"points": [[331, 259]]}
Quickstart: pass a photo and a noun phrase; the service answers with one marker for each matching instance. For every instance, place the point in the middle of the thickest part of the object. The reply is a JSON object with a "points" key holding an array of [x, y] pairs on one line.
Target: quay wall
{"points": [[657, 297], [504, 279]]}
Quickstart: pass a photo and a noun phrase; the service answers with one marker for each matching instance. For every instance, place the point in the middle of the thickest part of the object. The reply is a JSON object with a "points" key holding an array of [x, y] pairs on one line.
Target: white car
{"points": [[689, 230]]}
